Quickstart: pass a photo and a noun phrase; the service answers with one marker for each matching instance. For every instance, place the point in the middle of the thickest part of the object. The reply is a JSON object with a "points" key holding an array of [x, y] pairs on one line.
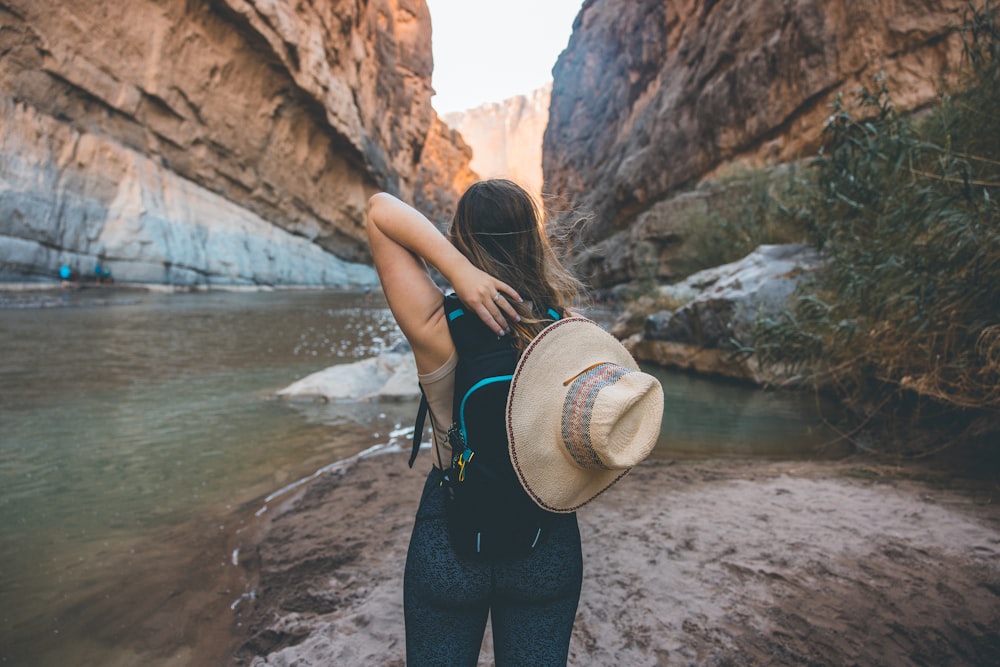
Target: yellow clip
{"points": [[461, 463]]}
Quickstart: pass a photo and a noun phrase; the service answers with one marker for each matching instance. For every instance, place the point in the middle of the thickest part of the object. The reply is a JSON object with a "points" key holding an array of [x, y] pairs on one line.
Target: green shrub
{"points": [[904, 322]]}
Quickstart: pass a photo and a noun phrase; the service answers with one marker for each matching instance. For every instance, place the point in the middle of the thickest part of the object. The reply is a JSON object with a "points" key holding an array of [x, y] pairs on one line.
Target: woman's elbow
{"points": [[372, 212]]}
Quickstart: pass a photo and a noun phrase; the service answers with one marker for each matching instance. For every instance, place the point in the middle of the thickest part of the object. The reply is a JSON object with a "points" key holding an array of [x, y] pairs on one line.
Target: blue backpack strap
{"points": [[453, 308]]}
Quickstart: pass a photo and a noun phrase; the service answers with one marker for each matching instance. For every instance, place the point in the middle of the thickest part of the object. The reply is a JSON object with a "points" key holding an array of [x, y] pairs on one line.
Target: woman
{"points": [[498, 261]]}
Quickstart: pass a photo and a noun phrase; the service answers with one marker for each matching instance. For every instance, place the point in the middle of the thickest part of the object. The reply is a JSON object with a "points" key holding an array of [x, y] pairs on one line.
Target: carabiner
{"points": [[463, 459]]}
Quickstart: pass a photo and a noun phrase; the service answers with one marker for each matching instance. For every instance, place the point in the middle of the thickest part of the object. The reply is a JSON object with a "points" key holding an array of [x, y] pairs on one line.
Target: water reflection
{"points": [[704, 417]]}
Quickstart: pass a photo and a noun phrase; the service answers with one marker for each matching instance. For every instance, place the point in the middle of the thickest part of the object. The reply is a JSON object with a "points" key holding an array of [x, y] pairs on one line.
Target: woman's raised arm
{"points": [[401, 240]]}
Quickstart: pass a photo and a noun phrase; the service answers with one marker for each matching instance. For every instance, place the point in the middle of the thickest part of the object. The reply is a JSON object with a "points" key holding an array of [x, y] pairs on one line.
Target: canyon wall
{"points": [[213, 141], [651, 98], [506, 137]]}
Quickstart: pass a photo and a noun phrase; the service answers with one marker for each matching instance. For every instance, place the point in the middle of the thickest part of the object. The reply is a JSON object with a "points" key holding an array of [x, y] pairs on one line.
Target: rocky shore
{"points": [[687, 562]]}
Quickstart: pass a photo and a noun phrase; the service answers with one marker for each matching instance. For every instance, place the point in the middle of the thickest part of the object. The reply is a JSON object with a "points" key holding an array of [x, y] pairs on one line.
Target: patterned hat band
{"points": [[578, 408]]}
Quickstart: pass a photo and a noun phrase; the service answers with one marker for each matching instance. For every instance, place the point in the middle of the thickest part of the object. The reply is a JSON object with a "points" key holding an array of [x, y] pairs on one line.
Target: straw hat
{"points": [[580, 414]]}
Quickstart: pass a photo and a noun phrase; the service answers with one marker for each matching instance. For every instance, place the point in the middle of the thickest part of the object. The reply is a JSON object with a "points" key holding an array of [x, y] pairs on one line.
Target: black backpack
{"points": [[489, 513]]}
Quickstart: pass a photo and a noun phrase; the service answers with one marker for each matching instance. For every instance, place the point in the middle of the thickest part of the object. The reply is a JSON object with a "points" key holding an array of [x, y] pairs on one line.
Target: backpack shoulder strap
{"points": [[470, 335], [468, 331], [418, 426]]}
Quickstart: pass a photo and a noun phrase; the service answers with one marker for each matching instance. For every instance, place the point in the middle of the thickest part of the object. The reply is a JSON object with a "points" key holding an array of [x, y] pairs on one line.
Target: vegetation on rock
{"points": [[904, 322], [748, 211]]}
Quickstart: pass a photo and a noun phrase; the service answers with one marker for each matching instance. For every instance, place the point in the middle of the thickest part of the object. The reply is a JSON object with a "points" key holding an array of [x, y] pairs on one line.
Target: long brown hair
{"points": [[499, 227]]}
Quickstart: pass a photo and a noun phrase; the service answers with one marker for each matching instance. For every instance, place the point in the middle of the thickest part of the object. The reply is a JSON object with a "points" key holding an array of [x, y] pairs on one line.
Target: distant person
{"points": [[495, 254], [102, 274]]}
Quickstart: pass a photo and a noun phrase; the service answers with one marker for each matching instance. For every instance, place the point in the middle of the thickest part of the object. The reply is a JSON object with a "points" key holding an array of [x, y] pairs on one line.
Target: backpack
{"points": [[489, 514]]}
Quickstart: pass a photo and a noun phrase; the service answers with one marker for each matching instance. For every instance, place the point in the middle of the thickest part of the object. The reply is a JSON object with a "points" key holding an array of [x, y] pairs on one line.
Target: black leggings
{"points": [[532, 600]]}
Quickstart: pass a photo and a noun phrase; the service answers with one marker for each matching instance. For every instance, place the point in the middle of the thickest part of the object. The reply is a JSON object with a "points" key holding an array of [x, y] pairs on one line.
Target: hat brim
{"points": [[534, 428]]}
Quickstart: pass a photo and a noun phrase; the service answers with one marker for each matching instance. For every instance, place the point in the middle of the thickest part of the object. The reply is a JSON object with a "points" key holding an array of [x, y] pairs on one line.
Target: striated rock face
{"points": [[652, 96], [506, 137], [217, 137], [82, 199]]}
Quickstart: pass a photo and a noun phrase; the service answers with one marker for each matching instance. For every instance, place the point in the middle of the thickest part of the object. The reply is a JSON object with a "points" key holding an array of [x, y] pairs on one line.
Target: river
{"points": [[139, 430]]}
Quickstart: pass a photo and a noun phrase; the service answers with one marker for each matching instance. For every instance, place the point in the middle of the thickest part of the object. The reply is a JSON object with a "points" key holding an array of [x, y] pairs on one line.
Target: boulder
{"points": [[390, 376], [719, 306]]}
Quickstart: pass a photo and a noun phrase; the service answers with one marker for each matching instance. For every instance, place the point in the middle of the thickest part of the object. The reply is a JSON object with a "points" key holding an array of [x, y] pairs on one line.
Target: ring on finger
{"points": [[496, 297]]}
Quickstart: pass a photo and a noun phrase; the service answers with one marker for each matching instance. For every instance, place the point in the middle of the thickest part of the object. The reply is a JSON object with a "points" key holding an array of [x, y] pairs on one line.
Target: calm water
{"points": [[137, 428]]}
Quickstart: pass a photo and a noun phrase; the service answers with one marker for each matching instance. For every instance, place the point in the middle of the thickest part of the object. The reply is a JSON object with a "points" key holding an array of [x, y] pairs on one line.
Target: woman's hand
{"points": [[489, 297]]}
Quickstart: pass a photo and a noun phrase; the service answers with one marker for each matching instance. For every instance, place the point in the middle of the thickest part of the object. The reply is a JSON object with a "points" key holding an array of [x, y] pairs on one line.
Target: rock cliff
{"points": [[506, 137], [652, 97], [444, 174], [200, 141]]}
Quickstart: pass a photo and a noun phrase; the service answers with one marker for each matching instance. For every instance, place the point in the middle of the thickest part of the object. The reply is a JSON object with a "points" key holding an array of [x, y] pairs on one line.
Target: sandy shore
{"points": [[686, 563]]}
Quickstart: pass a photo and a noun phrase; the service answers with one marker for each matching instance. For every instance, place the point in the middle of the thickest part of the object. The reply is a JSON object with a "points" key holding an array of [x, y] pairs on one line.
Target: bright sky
{"points": [[489, 50]]}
